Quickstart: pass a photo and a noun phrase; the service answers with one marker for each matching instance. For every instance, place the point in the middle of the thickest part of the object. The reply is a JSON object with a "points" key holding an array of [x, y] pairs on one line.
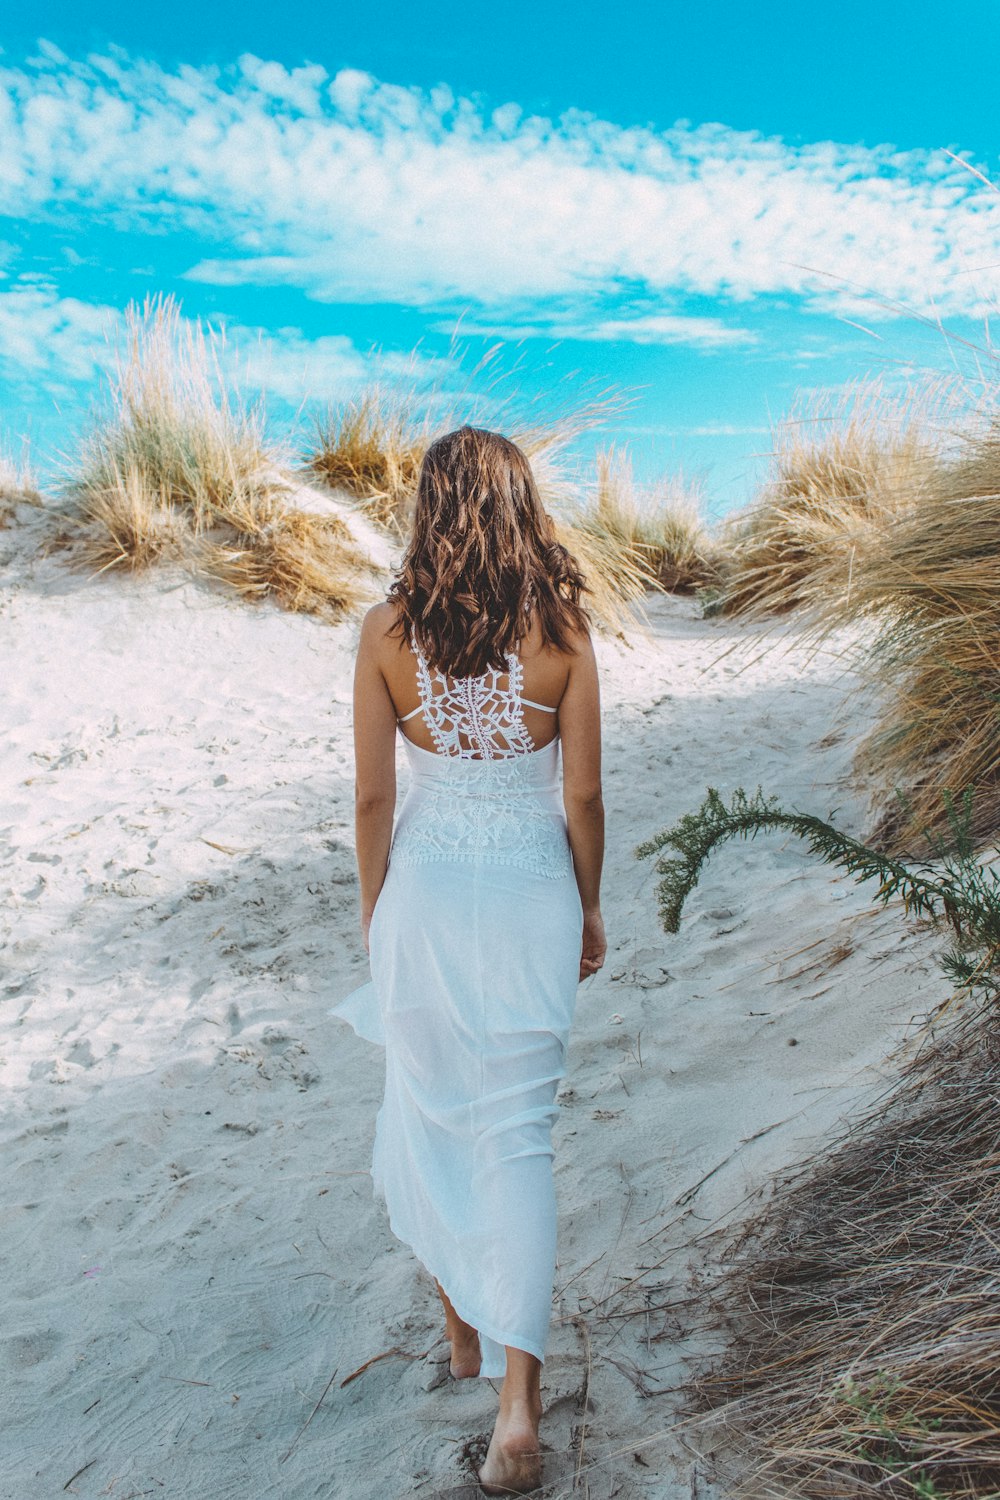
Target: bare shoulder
{"points": [[579, 644], [377, 625], [379, 618]]}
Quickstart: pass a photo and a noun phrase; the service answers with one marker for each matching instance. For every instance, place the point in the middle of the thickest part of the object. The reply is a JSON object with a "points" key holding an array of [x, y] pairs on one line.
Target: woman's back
{"points": [[530, 692]]}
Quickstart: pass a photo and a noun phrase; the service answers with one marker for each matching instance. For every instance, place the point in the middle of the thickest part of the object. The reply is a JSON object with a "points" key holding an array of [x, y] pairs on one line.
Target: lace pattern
{"points": [[484, 803], [474, 717], [481, 829]]}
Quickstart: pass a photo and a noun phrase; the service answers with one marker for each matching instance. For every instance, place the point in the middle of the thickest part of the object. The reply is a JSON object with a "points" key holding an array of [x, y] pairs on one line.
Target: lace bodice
{"points": [[485, 794], [474, 718]]}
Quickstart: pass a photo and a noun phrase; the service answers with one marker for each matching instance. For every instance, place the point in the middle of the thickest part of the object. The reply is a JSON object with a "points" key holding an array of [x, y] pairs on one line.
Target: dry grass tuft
{"points": [[127, 524], [931, 589], [174, 429], [617, 571], [17, 486], [841, 477], [181, 470], [663, 524], [862, 1301], [306, 562], [373, 448]]}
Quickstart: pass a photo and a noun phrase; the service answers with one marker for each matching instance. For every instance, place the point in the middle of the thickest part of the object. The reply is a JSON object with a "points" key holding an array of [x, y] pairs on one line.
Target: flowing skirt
{"points": [[474, 978]]}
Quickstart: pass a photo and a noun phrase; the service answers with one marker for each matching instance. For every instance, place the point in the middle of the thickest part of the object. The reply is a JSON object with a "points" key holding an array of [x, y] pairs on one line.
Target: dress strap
{"points": [[412, 714], [545, 707]]}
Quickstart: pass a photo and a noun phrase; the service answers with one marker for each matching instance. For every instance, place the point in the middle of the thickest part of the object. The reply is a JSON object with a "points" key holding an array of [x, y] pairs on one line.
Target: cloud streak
{"points": [[57, 343], [648, 328], [356, 190]]}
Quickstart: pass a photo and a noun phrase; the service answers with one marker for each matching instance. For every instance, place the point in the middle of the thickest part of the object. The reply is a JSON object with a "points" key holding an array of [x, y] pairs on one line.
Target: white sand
{"points": [[190, 1247]]}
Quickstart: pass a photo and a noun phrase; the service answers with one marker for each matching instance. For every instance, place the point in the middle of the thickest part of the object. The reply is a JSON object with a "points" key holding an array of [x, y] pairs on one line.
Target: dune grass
{"points": [[862, 1300], [373, 447], [841, 475], [919, 577], [930, 591], [175, 430], [617, 573], [180, 468], [863, 1351], [307, 563], [662, 523], [877, 524], [18, 485]]}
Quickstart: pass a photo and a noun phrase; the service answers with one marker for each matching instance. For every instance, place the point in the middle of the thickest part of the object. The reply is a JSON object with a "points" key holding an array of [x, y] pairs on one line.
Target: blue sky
{"points": [[710, 207]]}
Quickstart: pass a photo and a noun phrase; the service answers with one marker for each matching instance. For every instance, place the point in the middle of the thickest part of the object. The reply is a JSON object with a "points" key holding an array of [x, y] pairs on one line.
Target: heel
{"points": [[524, 1475]]}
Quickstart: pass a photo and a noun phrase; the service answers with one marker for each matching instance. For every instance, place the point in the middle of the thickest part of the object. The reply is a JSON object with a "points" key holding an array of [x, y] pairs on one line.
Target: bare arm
{"points": [[375, 764], [580, 732]]}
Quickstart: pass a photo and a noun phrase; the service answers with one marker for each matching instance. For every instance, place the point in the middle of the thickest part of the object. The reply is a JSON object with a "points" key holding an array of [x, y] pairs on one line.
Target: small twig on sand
{"points": [[79, 1472], [690, 1192], [585, 1400], [386, 1353], [308, 1419]]}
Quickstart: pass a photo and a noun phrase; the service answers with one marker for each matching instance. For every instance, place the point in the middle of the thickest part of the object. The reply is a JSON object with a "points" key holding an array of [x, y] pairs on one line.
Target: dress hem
{"points": [[527, 1346]]}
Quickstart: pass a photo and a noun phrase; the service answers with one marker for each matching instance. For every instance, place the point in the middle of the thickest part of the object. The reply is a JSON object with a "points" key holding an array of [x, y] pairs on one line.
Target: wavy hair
{"points": [[482, 558]]}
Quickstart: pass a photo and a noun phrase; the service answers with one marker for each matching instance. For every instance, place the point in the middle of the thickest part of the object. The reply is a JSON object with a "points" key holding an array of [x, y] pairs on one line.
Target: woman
{"points": [[481, 910]]}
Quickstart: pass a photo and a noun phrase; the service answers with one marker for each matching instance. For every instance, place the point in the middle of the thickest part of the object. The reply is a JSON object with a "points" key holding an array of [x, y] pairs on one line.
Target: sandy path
{"points": [[189, 1244]]}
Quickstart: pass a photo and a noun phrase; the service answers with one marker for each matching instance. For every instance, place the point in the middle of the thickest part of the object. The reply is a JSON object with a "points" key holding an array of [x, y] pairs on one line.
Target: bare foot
{"points": [[466, 1356], [513, 1464]]}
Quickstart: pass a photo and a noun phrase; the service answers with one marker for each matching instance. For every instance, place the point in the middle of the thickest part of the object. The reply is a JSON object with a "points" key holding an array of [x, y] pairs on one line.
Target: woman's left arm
{"points": [[375, 762]]}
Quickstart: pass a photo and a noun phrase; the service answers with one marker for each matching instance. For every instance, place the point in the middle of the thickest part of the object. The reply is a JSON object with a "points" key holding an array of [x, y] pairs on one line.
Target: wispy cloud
{"points": [[52, 338], [651, 328], [358, 190], [52, 341]]}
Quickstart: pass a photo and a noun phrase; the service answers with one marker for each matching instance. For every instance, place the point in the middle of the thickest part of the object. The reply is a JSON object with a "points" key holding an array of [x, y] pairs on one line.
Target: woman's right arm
{"points": [[580, 733]]}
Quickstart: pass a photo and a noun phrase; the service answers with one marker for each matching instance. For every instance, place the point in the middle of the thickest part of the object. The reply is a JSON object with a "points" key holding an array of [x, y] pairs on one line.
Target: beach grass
{"points": [[174, 428], [18, 485], [929, 596], [661, 522], [888, 521], [841, 473], [859, 1302], [306, 562], [180, 468], [372, 447]]}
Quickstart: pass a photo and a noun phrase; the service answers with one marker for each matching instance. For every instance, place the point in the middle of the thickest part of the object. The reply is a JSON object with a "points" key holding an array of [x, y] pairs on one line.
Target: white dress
{"points": [[475, 954]]}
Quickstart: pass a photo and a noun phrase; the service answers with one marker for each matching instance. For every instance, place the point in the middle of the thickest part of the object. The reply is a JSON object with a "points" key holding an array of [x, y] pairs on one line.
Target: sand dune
{"points": [[190, 1249]]}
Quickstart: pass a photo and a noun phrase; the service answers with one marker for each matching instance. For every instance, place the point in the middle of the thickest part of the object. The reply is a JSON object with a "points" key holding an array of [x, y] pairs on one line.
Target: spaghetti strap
{"points": [[412, 714], [545, 707]]}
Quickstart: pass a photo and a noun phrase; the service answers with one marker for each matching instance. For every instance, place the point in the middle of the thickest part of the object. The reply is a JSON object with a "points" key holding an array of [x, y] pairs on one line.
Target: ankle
{"points": [[520, 1404]]}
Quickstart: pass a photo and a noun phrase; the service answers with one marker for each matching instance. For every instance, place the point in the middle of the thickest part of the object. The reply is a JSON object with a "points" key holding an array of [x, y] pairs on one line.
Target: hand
{"points": [[366, 922], [595, 945]]}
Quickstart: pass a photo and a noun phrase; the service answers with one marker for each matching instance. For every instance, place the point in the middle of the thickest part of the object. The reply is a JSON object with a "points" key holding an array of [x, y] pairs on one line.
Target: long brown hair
{"points": [[482, 558]]}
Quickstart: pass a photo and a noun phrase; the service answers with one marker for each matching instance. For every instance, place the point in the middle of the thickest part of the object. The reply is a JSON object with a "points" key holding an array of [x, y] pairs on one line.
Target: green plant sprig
{"points": [[956, 887]]}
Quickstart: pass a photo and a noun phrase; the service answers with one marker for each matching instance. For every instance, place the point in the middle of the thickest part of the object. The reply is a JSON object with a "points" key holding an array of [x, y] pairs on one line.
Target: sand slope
{"points": [[189, 1245]]}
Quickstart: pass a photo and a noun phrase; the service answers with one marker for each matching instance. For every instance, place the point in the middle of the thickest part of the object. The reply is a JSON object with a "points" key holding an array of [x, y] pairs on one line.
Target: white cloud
{"points": [[651, 328], [45, 335], [358, 190], [61, 342]]}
